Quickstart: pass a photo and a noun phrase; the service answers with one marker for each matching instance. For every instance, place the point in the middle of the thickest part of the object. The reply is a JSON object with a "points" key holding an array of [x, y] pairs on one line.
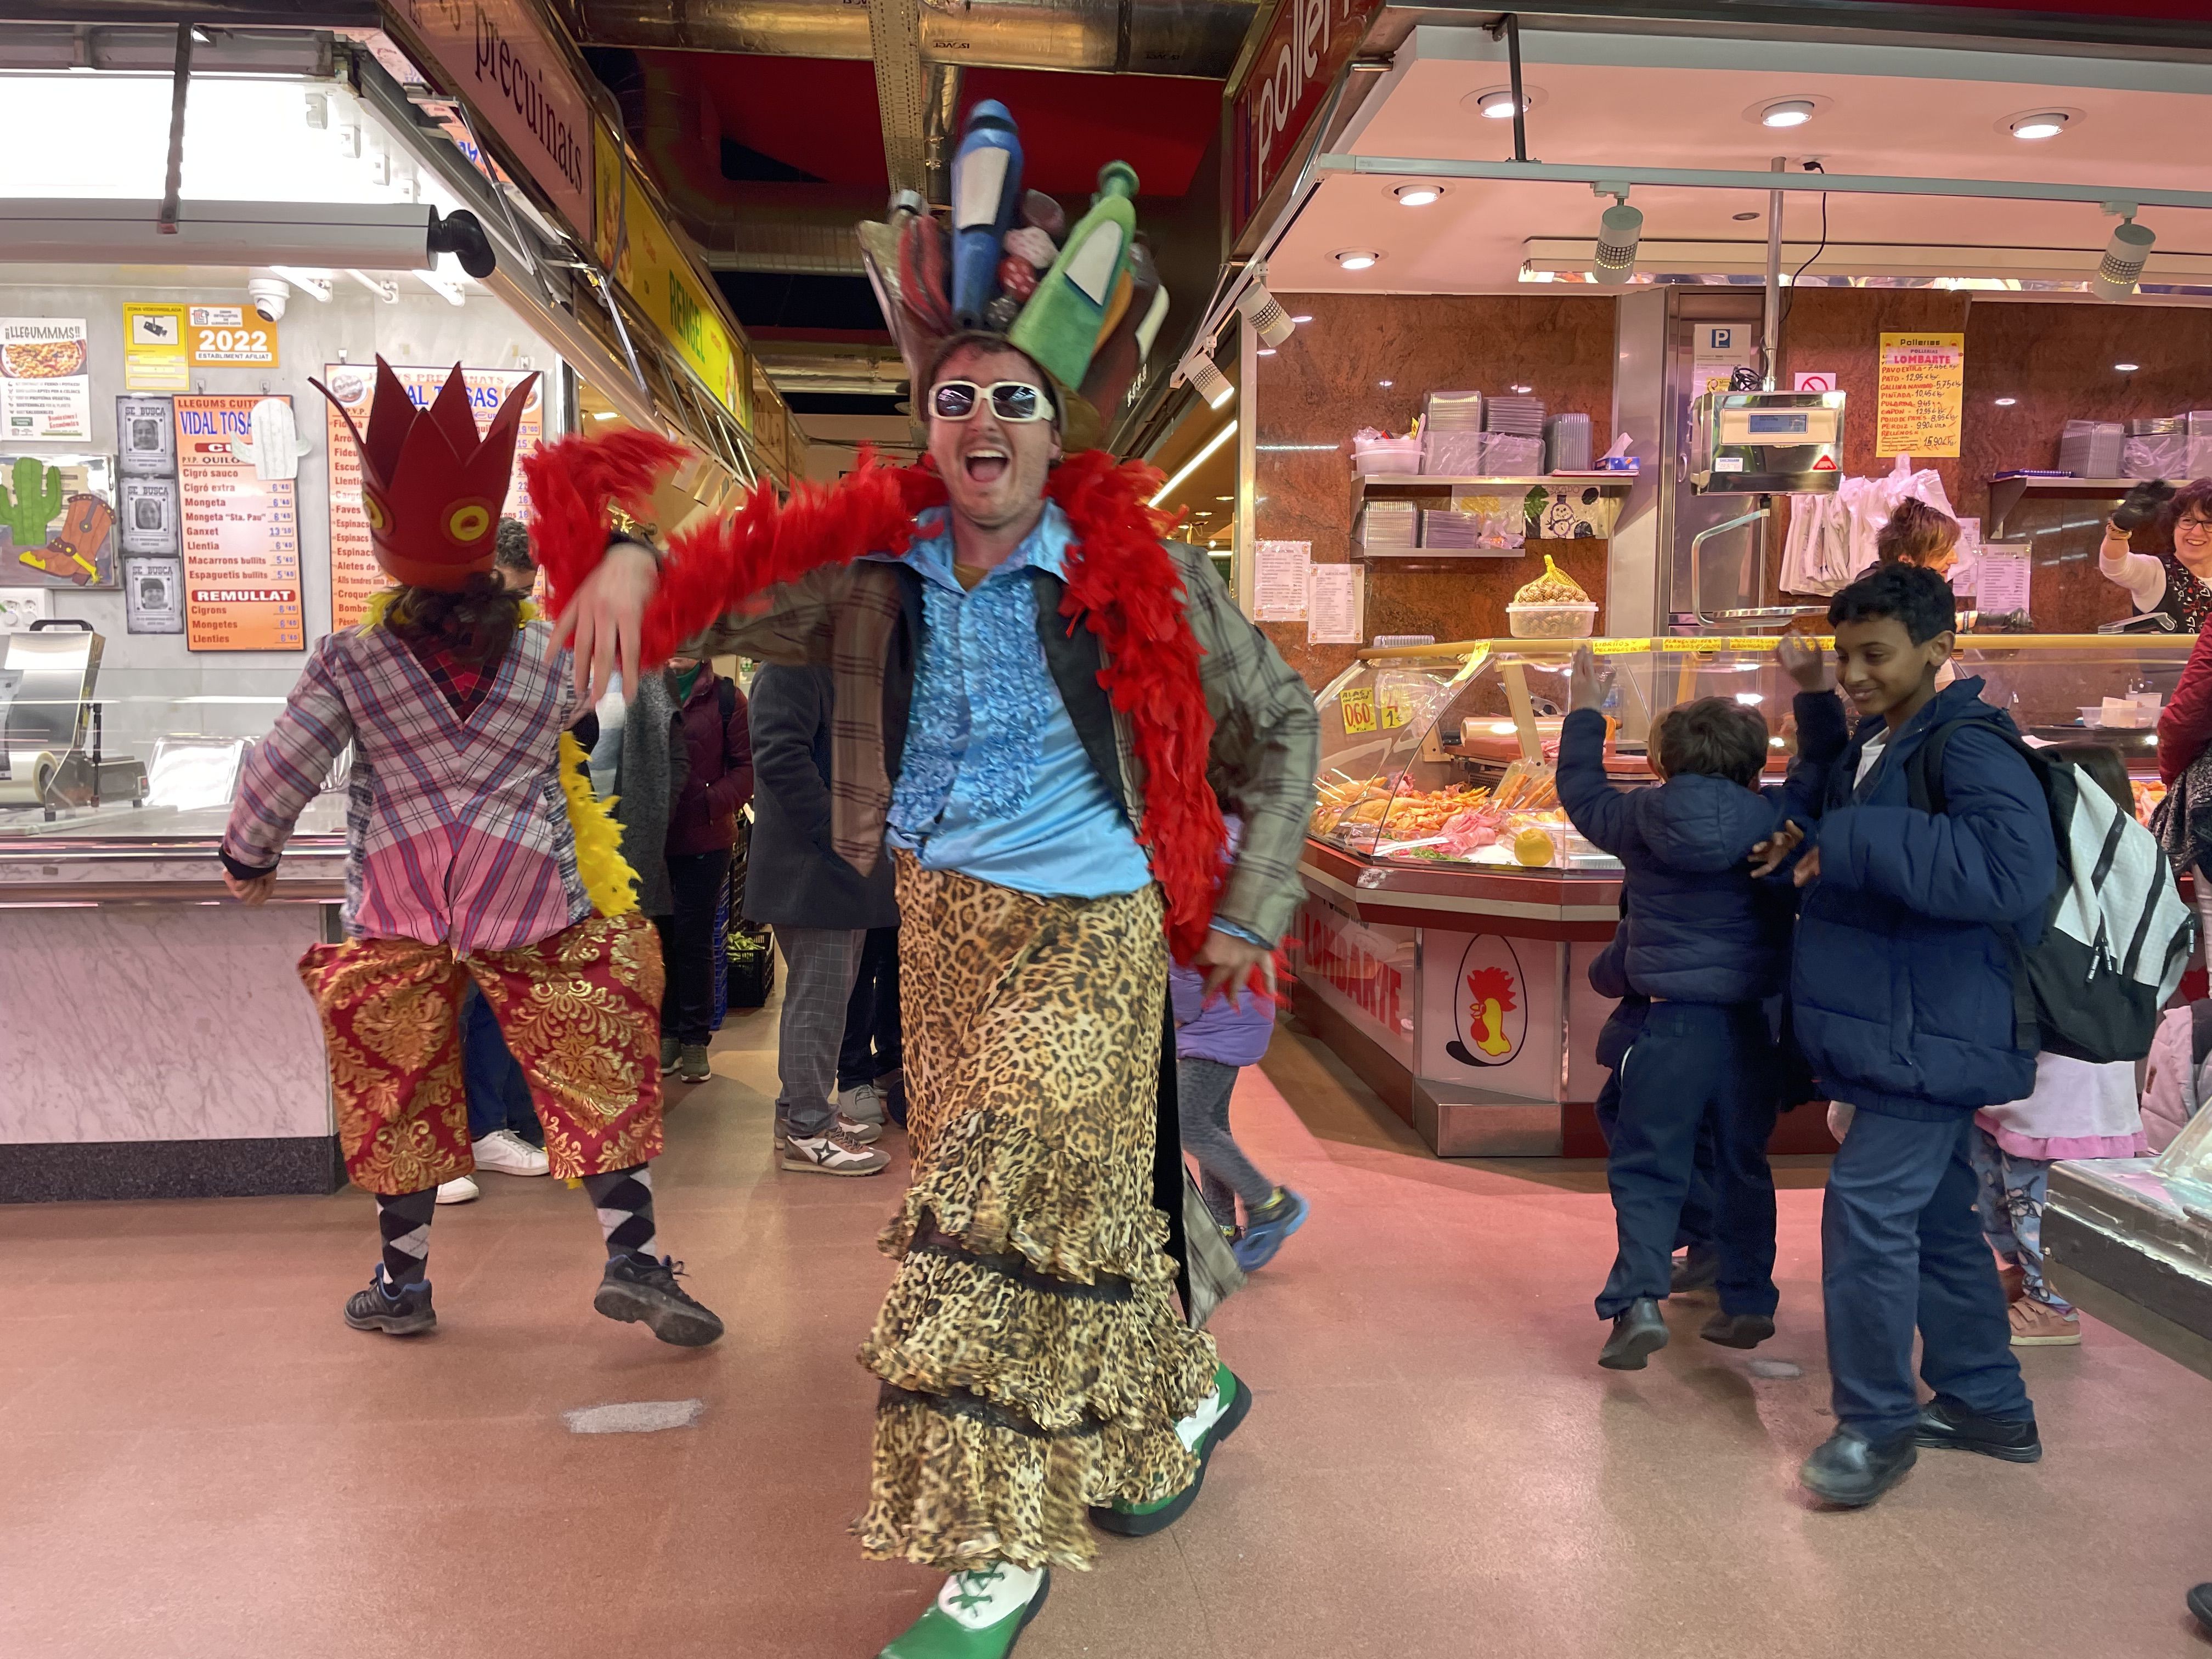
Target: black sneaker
{"points": [[639, 1289], [1949, 1426], [2200, 1606], [1638, 1332], [1697, 1268], [1737, 1330], [1850, 1471], [408, 1313]]}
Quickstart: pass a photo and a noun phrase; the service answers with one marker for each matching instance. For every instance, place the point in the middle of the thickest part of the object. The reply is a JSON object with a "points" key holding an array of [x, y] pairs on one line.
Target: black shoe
{"points": [[1948, 1423], [408, 1313], [1697, 1268], [2200, 1605], [1850, 1471], [639, 1288], [1737, 1330], [1638, 1334], [1143, 1520]]}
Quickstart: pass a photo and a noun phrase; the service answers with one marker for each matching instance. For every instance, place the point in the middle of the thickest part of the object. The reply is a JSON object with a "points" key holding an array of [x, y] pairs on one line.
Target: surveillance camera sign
{"points": [[154, 354], [230, 336]]}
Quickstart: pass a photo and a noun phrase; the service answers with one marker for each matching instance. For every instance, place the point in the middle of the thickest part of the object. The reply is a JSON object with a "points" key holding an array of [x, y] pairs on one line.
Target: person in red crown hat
{"points": [[474, 854]]}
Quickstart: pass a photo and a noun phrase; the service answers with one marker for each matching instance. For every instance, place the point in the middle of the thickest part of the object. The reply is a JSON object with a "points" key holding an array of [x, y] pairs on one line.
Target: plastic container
{"points": [[1551, 621], [1373, 455], [2092, 449], [1570, 443]]}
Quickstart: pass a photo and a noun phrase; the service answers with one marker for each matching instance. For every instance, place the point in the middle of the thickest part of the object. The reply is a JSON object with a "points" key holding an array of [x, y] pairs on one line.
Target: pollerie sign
{"points": [[498, 55], [1307, 44]]}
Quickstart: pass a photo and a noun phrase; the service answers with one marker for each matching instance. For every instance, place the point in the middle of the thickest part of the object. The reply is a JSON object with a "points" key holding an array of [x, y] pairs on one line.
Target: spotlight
{"points": [[1617, 232], [2006, 402], [1789, 113], [1499, 105], [2126, 369], [1358, 258], [1265, 351], [1263, 312], [1417, 195], [1301, 321], [2125, 255], [1210, 383], [2046, 124]]}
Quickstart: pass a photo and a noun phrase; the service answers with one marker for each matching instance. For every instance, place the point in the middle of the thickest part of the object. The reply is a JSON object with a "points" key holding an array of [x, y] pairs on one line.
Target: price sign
{"points": [[241, 534], [1357, 707], [225, 337]]}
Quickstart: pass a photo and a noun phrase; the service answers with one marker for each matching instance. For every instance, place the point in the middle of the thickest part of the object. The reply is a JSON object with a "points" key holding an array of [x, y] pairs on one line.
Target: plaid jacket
{"points": [[1267, 735], [456, 830]]}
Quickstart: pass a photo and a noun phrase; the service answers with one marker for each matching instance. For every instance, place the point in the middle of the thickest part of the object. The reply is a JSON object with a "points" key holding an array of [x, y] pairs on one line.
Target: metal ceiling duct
{"points": [[1196, 37]]}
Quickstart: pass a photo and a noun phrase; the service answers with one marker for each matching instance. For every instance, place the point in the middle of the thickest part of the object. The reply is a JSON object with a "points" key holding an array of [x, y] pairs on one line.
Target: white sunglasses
{"points": [[1014, 401]]}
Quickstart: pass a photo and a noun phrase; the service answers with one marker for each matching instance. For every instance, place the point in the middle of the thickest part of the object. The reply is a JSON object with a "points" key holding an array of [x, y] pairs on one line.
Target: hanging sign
{"points": [[1920, 395], [154, 354], [241, 532], [355, 574], [1284, 88]]}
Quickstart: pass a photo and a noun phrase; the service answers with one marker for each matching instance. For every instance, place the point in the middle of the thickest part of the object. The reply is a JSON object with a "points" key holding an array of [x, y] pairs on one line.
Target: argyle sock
{"points": [[402, 1219], [624, 1201]]}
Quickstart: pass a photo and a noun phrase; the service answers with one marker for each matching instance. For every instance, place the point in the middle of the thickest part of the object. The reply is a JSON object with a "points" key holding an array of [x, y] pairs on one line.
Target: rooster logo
{"points": [[1487, 1037]]}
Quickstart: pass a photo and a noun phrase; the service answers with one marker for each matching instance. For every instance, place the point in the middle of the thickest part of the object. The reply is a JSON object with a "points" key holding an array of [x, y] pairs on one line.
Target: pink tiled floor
{"points": [[198, 1459]]}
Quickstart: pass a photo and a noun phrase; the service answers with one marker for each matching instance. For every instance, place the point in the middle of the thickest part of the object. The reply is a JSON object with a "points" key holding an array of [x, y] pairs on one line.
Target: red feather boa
{"points": [[1121, 583]]}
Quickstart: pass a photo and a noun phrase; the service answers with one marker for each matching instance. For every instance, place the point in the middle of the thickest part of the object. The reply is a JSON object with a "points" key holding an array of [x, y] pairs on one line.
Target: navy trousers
{"points": [[1696, 1066], [1901, 1246], [499, 1095], [1695, 1230]]}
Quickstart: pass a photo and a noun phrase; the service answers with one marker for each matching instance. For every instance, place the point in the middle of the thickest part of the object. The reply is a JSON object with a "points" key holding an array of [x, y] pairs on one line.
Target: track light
{"points": [[1356, 258], [2125, 255], [1199, 373], [1417, 195], [1263, 312], [1617, 232], [1499, 105]]}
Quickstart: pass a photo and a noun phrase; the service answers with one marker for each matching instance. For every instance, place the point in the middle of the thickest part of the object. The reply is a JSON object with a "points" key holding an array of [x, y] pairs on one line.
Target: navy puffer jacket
{"points": [[1699, 928], [1903, 981]]}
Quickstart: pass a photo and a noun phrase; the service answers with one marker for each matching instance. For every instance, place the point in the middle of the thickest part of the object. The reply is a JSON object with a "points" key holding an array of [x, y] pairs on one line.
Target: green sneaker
{"points": [[1203, 1430], [950, 1629]]}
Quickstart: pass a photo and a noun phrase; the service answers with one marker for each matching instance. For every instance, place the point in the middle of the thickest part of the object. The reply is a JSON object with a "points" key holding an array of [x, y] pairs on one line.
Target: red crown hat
{"points": [[431, 490]]}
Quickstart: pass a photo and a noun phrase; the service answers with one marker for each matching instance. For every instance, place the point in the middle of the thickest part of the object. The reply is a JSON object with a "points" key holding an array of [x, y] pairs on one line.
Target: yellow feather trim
{"points": [[606, 873], [380, 606]]}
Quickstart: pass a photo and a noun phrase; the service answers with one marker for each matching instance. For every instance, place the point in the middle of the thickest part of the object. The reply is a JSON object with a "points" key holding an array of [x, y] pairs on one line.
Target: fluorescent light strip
{"points": [[1195, 462]]}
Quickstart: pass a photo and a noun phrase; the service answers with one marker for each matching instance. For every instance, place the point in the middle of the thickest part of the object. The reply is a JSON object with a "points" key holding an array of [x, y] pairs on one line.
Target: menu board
{"points": [[45, 388], [1922, 387], [241, 535], [355, 575]]}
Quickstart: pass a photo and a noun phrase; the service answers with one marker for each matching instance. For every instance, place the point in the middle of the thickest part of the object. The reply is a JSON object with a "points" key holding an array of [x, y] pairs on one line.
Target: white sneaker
{"points": [[859, 1129], [832, 1154], [460, 1190], [863, 1103], [505, 1152]]}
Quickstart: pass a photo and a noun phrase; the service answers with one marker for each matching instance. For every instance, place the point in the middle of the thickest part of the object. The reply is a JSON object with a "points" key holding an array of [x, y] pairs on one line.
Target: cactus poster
{"points": [[57, 520], [46, 386]]}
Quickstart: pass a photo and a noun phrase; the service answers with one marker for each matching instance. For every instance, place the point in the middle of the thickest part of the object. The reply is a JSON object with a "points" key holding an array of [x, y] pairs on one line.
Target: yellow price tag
{"points": [[1393, 712], [1618, 647], [1357, 708]]}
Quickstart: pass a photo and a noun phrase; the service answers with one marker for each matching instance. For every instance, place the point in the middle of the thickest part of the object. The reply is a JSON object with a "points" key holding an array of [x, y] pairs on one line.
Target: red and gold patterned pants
{"points": [[579, 1011]]}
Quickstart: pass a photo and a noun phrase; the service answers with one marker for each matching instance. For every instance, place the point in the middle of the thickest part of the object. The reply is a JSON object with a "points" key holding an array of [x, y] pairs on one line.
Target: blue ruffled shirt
{"points": [[995, 783]]}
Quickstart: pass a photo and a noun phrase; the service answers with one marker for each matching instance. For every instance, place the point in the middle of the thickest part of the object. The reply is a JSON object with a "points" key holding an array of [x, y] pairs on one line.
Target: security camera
{"points": [[269, 295]]}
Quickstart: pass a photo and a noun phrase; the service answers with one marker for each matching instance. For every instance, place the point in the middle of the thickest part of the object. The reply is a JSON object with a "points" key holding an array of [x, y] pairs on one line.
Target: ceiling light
{"points": [[1262, 311], [1417, 195], [1265, 351], [2127, 369], [2007, 402], [1199, 459], [1301, 321], [1619, 230], [1386, 383], [1203, 377], [603, 414], [1743, 218], [1750, 698], [1224, 498], [1789, 113], [1356, 258], [1522, 391], [2125, 255], [2047, 124], [1499, 105]]}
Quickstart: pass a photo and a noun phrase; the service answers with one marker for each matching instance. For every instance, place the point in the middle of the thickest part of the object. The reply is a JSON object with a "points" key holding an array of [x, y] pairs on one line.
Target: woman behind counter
{"points": [[2174, 583]]}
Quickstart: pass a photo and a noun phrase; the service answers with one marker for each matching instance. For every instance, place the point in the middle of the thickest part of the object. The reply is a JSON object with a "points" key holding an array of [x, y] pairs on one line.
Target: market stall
{"points": [[181, 519]]}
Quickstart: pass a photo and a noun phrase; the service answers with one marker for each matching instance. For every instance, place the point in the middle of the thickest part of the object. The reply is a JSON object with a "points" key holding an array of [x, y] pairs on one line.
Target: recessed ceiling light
{"points": [[2127, 369], [1499, 105], [1521, 391], [1265, 351], [1224, 498], [1356, 258], [1386, 383], [1741, 217], [2007, 402], [1301, 321], [2045, 124], [1417, 195], [1789, 113]]}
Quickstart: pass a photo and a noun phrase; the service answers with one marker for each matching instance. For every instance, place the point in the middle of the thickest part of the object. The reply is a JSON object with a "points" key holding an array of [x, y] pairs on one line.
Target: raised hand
{"points": [[1804, 661]]}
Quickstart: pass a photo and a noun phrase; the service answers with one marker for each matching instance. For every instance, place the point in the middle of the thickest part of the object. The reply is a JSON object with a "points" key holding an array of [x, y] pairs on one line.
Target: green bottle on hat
{"points": [[1060, 325]]}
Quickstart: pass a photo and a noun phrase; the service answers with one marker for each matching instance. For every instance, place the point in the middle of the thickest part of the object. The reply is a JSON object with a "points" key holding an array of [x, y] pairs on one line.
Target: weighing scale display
{"points": [[1800, 426]]}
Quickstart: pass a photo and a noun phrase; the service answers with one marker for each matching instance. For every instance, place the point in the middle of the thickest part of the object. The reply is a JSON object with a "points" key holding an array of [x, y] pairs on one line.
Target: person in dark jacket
{"points": [[1903, 997], [1708, 945], [821, 909], [702, 829]]}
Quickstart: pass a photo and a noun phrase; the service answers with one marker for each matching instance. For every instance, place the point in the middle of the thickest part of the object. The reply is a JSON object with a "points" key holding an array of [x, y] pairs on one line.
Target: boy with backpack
{"points": [[1904, 994]]}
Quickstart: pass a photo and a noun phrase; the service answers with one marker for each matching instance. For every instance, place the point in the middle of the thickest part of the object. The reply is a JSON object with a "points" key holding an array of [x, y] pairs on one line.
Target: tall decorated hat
{"points": [[1082, 301], [431, 488]]}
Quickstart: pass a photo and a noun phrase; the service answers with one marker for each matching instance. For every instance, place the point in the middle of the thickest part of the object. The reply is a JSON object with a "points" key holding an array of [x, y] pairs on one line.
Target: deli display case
{"points": [[1452, 911]]}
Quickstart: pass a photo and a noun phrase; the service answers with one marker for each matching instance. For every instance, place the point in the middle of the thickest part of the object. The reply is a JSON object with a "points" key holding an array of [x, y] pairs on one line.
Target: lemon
{"points": [[1532, 847]]}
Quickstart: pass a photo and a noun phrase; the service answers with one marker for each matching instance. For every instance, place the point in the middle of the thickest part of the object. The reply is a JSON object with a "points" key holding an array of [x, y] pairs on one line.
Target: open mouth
{"points": [[985, 466]]}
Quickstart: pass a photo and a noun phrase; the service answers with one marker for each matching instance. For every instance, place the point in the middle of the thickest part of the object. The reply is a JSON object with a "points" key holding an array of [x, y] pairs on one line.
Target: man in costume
{"points": [[475, 854], [1030, 688]]}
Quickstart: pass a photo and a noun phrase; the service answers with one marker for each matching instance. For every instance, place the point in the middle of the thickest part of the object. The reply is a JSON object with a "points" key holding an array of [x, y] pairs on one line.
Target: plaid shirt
{"points": [[457, 830], [1266, 735]]}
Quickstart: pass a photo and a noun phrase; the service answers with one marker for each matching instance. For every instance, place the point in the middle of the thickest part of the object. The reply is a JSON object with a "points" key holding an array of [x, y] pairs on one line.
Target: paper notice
{"points": [[45, 390], [1921, 391], [2000, 579], [240, 533], [1278, 581], [1333, 607]]}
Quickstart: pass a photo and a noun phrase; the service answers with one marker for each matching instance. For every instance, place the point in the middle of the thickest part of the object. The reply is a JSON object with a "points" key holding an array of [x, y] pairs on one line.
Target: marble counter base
{"points": [[54, 1172]]}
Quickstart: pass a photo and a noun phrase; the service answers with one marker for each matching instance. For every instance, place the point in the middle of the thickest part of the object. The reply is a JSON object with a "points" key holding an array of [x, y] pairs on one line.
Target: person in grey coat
{"points": [[821, 909]]}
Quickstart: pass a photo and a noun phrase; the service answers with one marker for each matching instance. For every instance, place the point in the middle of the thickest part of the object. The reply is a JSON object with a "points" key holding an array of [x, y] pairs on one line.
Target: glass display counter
{"points": [[1452, 911]]}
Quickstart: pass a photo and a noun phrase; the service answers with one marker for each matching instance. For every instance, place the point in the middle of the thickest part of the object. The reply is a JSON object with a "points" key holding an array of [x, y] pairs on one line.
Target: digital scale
{"points": [[1767, 443]]}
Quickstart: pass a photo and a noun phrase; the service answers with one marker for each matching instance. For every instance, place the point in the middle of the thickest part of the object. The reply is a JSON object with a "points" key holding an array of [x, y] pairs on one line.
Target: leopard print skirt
{"points": [[1032, 1359]]}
